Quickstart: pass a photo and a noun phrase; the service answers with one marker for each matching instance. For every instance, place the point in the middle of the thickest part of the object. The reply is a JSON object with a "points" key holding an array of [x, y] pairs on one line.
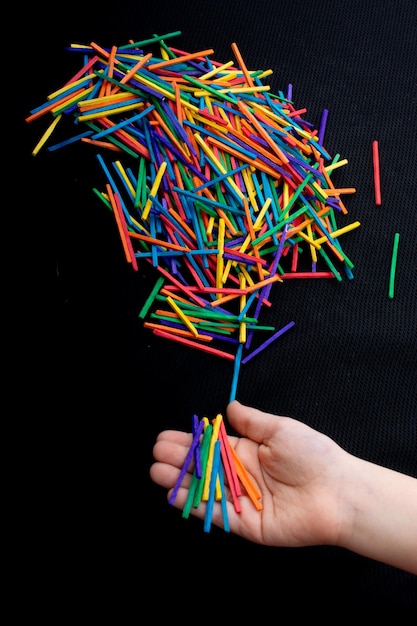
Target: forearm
{"points": [[381, 509]]}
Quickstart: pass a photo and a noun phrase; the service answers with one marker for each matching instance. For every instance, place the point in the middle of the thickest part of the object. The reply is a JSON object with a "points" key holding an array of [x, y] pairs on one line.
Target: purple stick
{"points": [[267, 342], [187, 461], [322, 128], [197, 456]]}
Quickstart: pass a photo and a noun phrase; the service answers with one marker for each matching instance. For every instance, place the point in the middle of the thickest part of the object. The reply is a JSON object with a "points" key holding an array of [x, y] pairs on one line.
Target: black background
{"points": [[93, 387]]}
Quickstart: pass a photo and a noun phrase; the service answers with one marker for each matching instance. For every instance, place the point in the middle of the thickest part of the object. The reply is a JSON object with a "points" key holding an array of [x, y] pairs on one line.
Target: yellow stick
{"points": [[154, 190]]}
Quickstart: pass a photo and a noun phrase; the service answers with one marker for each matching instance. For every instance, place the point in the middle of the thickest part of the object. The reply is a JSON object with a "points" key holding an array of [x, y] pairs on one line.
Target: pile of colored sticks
{"points": [[220, 184]]}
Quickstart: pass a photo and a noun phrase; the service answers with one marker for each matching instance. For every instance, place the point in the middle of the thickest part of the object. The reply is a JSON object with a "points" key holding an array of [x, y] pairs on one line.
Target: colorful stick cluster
{"points": [[225, 189], [216, 464]]}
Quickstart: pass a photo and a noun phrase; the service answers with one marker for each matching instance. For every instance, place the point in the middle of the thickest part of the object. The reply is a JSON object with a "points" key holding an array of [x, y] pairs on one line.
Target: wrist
{"points": [[346, 496], [352, 501], [378, 509]]}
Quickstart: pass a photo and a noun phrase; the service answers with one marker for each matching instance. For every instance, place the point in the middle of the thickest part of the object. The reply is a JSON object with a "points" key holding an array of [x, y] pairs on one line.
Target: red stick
{"points": [[377, 180]]}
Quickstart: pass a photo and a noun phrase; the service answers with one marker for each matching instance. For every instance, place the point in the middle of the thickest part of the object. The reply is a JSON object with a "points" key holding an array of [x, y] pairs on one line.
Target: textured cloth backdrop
{"points": [[108, 386]]}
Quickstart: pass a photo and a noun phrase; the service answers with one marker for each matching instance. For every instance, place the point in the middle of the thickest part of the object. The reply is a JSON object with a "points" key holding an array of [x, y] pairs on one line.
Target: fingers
{"points": [[171, 448], [175, 436], [163, 474], [166, 475], [169, 452]]}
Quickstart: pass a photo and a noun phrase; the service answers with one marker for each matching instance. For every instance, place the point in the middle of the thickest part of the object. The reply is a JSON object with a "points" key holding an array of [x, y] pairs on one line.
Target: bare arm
{"points": [[381, 510]]}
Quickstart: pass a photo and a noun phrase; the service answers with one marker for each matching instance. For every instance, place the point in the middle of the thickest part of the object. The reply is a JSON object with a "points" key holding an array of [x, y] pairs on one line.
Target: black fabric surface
{"points": [[104, 386]]}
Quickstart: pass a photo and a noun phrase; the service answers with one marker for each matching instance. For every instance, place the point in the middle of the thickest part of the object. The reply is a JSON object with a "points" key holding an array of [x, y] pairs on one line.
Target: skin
{"points": [[313, 491]]}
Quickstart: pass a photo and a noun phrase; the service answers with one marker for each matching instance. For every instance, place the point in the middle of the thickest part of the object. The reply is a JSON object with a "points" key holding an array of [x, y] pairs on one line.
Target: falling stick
{"points": [[393, 266], [377, 179], [266, 343]]}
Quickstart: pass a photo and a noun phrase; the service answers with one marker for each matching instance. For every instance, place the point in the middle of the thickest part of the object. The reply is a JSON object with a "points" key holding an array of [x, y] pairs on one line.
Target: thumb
{"points": [[250, 422]]}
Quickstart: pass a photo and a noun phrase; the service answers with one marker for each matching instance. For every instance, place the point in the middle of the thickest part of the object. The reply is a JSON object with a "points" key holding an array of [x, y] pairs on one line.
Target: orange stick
{"points": [[99, 49], [246, 481], [101, 144], [126, 233], [168, 131], [110, 66], [135, 68], [264, 134], [180, 59], [159, 242], [242, 64], [114, 206]]}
